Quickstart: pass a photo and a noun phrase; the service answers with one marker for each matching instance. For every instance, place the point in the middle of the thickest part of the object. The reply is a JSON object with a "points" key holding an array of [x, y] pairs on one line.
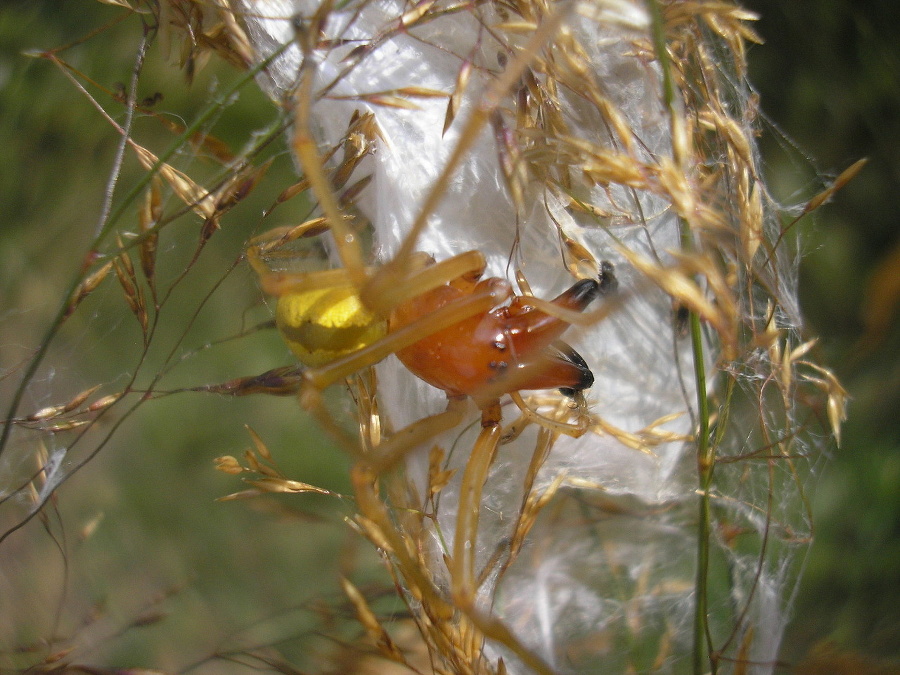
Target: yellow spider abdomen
{"points": [[322, 325]]}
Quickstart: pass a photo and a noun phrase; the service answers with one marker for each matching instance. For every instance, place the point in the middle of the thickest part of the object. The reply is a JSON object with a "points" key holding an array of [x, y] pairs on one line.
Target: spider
{"points": [[466, 335]]}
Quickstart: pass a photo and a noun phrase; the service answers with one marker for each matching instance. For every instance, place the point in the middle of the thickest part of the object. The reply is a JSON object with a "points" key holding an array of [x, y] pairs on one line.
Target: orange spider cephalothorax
{"points": [[510, 348]]}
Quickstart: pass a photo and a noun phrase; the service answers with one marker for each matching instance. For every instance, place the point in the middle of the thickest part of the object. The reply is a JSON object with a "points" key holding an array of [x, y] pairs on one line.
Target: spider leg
{"points": [[306, 151], [575, 430], [394, 449], [427, 275], [462, 565]]}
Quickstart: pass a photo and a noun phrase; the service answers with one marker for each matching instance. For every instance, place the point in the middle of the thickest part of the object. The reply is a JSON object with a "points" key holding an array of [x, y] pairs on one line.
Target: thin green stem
{"points": [[705, 449], [705, 468]]}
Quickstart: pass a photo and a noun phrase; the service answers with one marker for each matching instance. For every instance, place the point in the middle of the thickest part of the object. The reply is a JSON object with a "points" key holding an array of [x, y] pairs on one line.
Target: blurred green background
{"points": [[167, 576]]}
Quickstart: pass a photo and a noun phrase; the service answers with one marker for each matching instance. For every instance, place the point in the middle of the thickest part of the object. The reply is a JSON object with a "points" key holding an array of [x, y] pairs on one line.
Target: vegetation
{"points": [[131, 561]]}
